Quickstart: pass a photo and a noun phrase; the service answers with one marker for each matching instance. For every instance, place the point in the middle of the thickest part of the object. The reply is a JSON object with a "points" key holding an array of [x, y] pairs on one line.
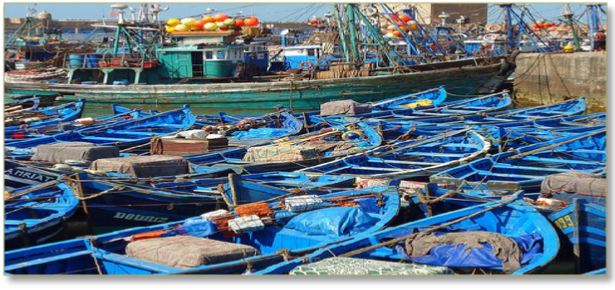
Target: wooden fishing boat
{"points": [[597, 272], [512, 218], [529, 114], [261, 246], [79, 125], [583, 224], [525, 167], [36, 118], [461, 77], [410, 159], [122, 134], [472, 106], [35, 214], [290, 153], [18, 175], [118, 203]]}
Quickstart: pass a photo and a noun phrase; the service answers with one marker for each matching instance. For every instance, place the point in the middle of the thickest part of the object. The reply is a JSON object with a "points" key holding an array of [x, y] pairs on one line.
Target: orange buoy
{"points": [[404, 17], [220, 17], [252, 21]]}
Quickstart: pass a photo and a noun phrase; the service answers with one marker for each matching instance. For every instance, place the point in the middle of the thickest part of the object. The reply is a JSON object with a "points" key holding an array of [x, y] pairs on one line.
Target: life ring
{"points": [[370, 11], [493, 28], [306, 65], [490, 37]]}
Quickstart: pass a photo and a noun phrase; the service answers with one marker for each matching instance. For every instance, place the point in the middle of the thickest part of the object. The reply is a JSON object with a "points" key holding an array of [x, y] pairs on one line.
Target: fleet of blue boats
{"points": [[421, 183]]}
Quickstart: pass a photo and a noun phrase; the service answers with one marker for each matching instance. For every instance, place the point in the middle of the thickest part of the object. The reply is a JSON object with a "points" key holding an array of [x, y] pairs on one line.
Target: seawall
{"points": [[549, 78]]}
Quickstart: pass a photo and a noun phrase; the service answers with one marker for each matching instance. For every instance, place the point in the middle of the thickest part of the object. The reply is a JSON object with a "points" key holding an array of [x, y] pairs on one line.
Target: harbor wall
{"points": [[549, 78]]}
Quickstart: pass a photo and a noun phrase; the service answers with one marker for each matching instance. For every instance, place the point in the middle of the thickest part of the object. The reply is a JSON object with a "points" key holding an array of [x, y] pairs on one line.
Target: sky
{"points": [[265, 11]]}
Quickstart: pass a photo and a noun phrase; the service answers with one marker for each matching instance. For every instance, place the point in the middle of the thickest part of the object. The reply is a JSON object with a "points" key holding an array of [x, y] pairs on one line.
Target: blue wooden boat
{"points": [[326, 142], [597, 272], [114, 203], [35, 214], [18, 175], [59, 128], [55, 115], [32, 102], [512, 218], [106, 254], [472, 106], [583, 224], [408, 159], [525, 167], [435, 96], [123, 134], [530, 116]]}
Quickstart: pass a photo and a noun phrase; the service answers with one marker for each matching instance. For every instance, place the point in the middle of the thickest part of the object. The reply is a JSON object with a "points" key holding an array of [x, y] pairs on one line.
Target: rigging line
{"points": [[301, 9]]}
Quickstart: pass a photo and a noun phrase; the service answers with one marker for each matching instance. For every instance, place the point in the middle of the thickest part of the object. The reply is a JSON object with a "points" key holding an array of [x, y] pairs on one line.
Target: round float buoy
{"points": [[306, 65], [173, 22]]}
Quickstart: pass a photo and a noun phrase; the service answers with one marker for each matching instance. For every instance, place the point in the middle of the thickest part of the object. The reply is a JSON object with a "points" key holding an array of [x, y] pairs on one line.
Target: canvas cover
{"points": [[332, 222], [343, 107], [575, 181], [276, 153], [471, 249], [143, 166], [353, 266], [81, 151], [184, 252]]}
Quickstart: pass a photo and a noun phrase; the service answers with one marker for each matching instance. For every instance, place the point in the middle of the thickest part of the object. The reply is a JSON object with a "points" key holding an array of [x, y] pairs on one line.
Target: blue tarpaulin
{"points": [[460, 256], [334, 222], [258, 133], [198, 228]]}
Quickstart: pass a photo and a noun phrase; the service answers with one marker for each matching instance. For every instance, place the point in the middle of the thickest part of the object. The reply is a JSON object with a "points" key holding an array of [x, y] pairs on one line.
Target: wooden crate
{"points": [[191, 146]]}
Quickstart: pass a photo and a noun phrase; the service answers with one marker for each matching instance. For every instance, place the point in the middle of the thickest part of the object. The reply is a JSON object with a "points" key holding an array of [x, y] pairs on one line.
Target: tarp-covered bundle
{"points": [[80, 151], [471, 249], [333, 222], [343, 107], [276, 153], [354, 266], [184, 252], [575, 181], [143, 166]]}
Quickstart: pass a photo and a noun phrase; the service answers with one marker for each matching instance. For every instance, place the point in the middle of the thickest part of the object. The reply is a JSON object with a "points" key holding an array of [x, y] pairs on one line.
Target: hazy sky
{"points": [[266, 12]]}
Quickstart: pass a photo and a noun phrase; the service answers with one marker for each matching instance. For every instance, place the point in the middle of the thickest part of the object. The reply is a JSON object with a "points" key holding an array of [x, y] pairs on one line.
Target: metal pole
{"points": [[353, 35]]}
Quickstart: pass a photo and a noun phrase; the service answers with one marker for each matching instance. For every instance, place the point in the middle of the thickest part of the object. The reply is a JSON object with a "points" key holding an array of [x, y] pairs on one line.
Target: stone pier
{"points": [[549, 78]]}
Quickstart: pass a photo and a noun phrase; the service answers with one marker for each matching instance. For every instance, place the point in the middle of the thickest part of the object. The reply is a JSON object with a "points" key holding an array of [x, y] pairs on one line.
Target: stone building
{"points": [[472, 13]]}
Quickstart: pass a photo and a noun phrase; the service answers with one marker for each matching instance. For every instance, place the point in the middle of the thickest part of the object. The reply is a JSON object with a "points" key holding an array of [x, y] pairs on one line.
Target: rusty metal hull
{"points": [[460, 78]]}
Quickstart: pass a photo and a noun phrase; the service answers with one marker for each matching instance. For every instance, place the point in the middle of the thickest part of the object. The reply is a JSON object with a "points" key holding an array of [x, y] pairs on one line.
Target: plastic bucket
{"points": [[75, 60], [92, 60]]}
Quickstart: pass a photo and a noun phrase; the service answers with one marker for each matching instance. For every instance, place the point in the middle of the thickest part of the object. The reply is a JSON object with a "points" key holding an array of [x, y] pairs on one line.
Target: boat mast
{"points": [[567, 14]]}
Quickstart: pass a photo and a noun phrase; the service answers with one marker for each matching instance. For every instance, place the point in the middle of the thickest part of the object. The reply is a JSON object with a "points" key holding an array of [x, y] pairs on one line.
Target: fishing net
{"points": [[353, 266], [143, 166], [81, 151], [184, 252], [343, 107]]}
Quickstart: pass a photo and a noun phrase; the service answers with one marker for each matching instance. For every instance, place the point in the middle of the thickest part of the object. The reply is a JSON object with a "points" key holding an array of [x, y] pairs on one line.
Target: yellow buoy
{"points": [[568, 48], [169, 29], [229, 21], [210, 26], [172, 22], [181, 27], [413, 25], [188, 21]]}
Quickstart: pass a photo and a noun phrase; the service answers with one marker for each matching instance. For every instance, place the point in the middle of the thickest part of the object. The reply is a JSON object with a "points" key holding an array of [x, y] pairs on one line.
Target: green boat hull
{"points": [[299, 95]]}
